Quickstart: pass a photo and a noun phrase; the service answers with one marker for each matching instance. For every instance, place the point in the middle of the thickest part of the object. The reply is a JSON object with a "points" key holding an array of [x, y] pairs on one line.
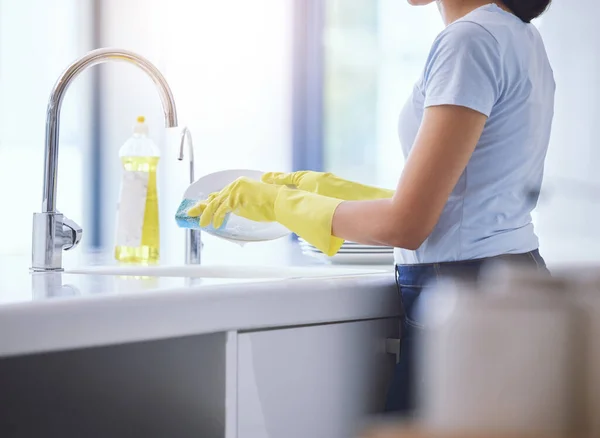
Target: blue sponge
{"points": [[185, 221]]}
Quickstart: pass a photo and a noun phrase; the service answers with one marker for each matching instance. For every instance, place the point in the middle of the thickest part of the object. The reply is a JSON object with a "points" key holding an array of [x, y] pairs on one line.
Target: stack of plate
{"points": [[353, 253]]}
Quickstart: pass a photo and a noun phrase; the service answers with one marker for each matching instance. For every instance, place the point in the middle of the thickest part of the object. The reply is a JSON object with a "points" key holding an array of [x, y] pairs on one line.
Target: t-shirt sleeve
{"points": [[464, 68]]}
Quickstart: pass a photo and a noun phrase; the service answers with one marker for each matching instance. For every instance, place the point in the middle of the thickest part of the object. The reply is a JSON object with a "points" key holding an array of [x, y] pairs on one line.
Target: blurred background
{"points": [[275, 85]]}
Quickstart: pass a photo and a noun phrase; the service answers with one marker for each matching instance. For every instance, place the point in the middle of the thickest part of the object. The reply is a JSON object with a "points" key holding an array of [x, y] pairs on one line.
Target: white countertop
{"points": [[58, 311]]}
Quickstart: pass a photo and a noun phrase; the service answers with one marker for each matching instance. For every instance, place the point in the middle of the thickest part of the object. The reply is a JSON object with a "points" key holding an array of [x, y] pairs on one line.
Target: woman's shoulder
{"points": [[465, 32], [465, 38], [483, 26]]}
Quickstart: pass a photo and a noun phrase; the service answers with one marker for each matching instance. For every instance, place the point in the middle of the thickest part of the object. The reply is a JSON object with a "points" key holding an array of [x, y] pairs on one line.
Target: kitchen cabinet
{"points": [[313, 381]]}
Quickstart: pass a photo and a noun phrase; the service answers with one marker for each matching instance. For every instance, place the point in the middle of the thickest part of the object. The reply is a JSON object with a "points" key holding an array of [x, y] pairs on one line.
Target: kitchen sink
{"points": [[226, 271]]}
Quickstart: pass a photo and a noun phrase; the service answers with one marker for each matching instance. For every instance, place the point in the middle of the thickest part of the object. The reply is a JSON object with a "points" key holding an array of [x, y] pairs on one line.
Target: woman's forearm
{"points": [[373, 223]]}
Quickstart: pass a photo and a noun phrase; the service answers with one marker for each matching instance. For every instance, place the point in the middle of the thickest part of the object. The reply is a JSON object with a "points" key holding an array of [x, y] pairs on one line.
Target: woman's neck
{"points": [[453, 10]]}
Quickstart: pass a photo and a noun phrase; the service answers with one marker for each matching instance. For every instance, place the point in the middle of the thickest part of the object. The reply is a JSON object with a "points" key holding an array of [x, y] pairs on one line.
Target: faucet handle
{"points": [[52, 233], [72, 234]]}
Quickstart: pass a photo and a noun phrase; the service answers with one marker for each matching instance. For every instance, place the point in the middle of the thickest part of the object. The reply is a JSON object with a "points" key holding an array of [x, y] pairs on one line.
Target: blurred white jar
{"points": [[581, 286], [587, 297], [501, 359]]}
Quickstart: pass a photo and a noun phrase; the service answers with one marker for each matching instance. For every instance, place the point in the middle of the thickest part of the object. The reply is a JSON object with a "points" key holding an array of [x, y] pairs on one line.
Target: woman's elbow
{"points": [[411, 241], [408, 243], [406, 231], [413, 244]]}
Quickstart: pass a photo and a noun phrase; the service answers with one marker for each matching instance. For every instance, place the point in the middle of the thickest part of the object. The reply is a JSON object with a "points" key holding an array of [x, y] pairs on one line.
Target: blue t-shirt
{"points": [[492, 62]]}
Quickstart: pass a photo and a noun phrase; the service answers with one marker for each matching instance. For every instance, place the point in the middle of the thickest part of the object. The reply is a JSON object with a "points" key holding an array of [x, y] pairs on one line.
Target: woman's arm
{"points": [[446, 140]]}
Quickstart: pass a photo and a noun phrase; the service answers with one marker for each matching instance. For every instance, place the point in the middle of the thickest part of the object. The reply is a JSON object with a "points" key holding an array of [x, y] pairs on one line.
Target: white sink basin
{"points": [[193, 271]]}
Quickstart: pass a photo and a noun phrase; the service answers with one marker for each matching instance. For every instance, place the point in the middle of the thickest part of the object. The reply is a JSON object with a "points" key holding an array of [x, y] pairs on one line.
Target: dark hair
{"points": [[527, 10]]}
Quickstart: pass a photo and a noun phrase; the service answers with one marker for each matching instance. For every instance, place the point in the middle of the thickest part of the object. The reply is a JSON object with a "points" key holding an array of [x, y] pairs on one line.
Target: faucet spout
{"points": [[53, 232], [94, 57]]}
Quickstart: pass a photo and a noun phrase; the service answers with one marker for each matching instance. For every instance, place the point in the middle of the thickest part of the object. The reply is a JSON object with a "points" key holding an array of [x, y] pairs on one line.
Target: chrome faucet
{"points": [[193, 239], [53, 232]]}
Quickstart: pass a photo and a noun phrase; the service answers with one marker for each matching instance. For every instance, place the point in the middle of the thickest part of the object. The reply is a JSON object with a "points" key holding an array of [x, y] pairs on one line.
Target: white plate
{"points": [[352, 245], [375, 250], [360, 253], [347, 242], [236, 228], [349, 251], [355, 259]]}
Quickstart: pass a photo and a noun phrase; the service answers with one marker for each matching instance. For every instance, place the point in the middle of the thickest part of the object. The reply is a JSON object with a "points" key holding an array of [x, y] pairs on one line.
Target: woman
{"points": [[475, 132]]}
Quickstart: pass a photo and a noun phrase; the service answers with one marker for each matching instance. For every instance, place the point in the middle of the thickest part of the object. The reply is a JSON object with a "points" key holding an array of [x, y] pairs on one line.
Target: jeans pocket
{"points": [[409, 296]]}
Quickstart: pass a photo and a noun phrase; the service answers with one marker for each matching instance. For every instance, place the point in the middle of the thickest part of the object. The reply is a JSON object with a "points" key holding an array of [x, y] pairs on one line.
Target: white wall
{"points": [[568, 218], [228, 64]]}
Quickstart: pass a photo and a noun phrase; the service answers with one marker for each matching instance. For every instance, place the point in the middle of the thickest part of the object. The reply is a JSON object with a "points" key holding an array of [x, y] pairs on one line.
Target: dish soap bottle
{"points": [[138, 234]]}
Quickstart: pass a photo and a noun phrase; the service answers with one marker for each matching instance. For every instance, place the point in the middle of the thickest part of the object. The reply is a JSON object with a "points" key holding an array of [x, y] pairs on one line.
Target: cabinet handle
{"points": [[392, 346]]}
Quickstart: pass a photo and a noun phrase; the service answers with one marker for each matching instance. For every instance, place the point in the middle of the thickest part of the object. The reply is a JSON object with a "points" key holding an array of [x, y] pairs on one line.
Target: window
{"points": [[374, 52], [38, 39]]}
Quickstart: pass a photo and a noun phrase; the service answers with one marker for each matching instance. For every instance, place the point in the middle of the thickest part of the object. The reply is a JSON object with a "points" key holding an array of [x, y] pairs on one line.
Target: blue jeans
{"points": [[411, 280]]}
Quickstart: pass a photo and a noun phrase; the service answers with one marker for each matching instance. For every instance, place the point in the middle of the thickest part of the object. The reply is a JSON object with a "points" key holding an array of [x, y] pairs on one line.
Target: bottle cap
{"points": [[140, 126]]}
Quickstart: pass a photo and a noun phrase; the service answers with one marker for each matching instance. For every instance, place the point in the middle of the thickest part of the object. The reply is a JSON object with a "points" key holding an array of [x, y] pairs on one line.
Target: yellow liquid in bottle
{"points": [[149, 250]]}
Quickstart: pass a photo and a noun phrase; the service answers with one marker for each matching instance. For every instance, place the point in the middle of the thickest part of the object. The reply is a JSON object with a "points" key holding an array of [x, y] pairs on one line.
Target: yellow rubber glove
{"points": [[327, 184], [307, 214]]}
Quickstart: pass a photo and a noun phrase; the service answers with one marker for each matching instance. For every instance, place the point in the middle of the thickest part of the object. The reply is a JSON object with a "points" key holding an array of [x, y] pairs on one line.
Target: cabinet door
{"points": [[312, 381]]}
